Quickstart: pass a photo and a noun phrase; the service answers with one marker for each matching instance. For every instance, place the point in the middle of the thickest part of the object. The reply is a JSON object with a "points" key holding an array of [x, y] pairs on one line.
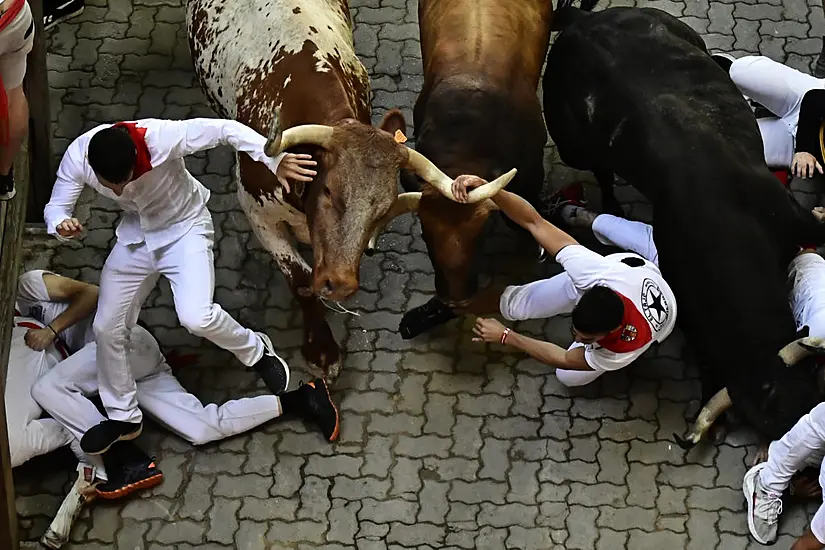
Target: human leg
{"points": [[539, 299], [807, 275], [628, 235], [189, 266], [777, 87], [165, 400], [16, 41], [764, 483], [127, 279]]}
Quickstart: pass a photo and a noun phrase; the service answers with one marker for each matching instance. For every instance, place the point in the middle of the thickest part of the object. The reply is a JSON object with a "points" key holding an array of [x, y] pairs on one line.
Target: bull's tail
{"points": [[565, 13]]}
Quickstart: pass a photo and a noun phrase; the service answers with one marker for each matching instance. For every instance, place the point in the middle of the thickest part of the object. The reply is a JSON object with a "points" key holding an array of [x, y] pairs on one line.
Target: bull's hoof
{"points": [[425, 318], [321, 352]]}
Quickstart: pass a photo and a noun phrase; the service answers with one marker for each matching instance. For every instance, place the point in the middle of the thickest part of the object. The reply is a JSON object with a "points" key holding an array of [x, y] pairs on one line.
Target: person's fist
{"points": [[69, 228], [39, 339]]}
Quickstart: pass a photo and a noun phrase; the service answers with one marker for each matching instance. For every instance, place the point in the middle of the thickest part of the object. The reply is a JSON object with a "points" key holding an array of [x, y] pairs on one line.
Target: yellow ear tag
{"points": [[399, 137]]}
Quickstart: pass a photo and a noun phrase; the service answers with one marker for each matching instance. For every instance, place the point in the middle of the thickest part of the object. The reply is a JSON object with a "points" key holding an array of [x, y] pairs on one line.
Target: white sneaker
{"points": [[58, 532], [763, 508]]}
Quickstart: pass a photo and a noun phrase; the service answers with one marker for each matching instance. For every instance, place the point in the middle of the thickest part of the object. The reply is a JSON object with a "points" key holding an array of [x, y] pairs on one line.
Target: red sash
{"points": [[143, 160], [781, 175], [57, 343], [634, 333]]}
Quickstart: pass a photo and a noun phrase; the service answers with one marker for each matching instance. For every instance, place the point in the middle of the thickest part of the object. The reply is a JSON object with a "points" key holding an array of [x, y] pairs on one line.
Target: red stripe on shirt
{"points": [[633, 334]]}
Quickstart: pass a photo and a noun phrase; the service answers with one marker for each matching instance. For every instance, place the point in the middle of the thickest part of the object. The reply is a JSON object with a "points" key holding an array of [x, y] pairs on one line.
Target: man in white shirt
{"points": [[620, 303], [166, 230]]}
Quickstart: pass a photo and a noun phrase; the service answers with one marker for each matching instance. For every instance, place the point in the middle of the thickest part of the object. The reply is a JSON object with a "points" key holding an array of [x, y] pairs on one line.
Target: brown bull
{"points": [[296, 57], [478, 113]]}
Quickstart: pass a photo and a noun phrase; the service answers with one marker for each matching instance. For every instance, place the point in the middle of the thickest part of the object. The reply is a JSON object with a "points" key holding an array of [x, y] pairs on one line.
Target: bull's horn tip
{"points": [[685, 444]]}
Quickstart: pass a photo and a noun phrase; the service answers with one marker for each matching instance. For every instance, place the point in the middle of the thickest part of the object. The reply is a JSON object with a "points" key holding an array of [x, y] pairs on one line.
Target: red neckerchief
{"points": [[143, 159], [57, 343], [634, 333], [6, 18]]}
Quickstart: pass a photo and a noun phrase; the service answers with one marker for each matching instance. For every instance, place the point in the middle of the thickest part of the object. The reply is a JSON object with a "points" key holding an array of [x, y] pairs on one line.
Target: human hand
{"points": [[819, 213], [462, 186], [295, 166], [39, 339], [488, 330], [805, 165], [69, 228]]}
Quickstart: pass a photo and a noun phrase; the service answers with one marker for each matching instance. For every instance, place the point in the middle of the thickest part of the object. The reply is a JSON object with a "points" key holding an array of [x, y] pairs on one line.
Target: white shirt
{"points": [[642, 285], [33, 301], [163, 204]]}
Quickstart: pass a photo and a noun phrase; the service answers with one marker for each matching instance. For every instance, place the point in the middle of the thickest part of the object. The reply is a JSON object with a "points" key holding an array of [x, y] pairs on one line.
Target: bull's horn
{"points": [[279, 140], [717, 405], [430, 173], [801, 348], [404, 204]]}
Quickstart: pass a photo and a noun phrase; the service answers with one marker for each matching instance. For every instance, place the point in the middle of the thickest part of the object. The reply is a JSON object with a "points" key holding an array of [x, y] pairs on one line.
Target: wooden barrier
{"points": [[35, 156], [12, 220]]}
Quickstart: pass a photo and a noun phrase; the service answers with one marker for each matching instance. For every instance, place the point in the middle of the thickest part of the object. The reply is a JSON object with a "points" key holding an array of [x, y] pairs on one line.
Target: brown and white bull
{"points": [[478, 113], [254, 57]]}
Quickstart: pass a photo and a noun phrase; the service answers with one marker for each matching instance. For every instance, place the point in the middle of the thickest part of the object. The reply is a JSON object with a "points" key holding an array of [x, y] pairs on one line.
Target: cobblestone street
{"points": [[445, 445]]}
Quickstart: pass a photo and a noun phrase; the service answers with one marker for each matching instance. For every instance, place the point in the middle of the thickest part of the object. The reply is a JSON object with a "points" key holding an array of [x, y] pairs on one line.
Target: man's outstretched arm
{"points": [[550, 237]]}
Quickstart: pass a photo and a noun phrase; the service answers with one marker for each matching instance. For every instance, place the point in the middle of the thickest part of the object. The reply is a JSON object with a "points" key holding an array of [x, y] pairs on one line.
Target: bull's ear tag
{"points": [[399, 137]]}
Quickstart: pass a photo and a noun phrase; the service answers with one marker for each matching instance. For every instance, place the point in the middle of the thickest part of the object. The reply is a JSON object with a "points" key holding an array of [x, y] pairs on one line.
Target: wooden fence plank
{"points": [[12, 220], [36, 86]]}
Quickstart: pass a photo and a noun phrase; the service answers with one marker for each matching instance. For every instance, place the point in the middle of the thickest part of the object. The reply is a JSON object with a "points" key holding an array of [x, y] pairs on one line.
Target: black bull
{"points": [[633, 92]]}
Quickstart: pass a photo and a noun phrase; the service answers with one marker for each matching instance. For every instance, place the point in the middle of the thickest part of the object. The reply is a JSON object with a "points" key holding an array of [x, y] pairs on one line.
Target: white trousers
{"points": [[63, 392], [780, 89], [29, 435], [803, 445], [557, 295], [129, 275]]}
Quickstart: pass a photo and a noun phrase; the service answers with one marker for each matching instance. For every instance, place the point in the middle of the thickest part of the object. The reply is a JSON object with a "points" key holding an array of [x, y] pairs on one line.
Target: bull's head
{"points": [[355, 193], [770, 406]]}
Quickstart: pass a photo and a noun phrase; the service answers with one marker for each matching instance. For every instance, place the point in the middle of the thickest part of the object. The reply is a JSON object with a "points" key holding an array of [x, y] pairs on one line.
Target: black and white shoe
{"points": [[7, 190], [100, 438], [57, 11], [271, 368]]}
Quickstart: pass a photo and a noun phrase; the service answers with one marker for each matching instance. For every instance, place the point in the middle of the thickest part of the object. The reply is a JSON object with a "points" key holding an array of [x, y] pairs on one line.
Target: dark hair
{"points": [[112, 154], [599, 311]]}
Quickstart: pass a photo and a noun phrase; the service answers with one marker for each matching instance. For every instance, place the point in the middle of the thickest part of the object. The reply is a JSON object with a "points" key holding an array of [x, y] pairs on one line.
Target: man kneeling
{"points": [[620, 303]]}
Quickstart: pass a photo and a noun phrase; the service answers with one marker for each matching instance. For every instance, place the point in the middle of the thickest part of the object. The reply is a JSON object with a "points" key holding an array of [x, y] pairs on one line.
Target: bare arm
{"points": [[550, 237], [549, 353], [491, 331], [82, 298]]}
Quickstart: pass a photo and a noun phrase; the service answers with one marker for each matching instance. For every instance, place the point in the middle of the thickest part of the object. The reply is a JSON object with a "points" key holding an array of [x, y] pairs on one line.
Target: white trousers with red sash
{"points": [[557, 295], [129, 275]]}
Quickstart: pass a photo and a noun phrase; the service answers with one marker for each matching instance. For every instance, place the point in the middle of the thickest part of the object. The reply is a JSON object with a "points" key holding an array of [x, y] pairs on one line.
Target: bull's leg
{"points": [[610, 204], [320, 349]]}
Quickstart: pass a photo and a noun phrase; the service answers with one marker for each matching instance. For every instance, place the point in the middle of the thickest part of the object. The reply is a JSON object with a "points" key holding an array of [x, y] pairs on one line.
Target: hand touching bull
{"points": [[296, 167]]}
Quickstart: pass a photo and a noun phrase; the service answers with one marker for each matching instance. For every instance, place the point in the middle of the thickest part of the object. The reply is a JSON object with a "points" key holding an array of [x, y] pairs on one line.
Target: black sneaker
{"points": [[425, 317], [99, 439], [271, 368], [723, 60], [7, 190], [819, 68], [317, 406], [129, 469], [57, 11]]}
